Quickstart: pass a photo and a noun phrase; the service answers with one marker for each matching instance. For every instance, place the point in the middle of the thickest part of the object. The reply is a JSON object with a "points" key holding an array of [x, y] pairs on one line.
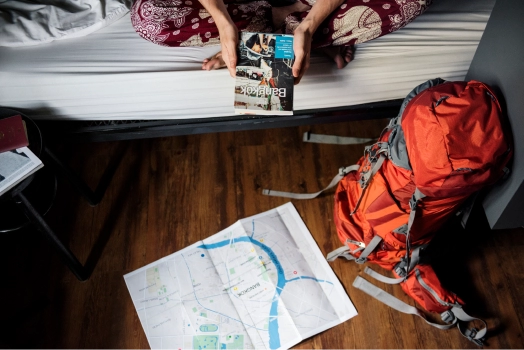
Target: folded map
{"points": [[262, 283]]}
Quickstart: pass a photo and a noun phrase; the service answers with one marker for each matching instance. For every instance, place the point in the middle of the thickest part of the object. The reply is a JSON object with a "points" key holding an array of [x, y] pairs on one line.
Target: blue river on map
{"points": [[274, 337]]}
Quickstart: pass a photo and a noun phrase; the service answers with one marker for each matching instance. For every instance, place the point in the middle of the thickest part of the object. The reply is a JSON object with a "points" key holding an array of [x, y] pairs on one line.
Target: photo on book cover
{"points": [[264, 78]]}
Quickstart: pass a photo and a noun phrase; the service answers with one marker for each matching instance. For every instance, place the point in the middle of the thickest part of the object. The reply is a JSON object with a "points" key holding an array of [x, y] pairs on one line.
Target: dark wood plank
{"points": [[168, 193]]}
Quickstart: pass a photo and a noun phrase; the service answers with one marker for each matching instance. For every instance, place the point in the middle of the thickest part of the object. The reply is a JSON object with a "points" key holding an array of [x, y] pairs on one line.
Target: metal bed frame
{"points": [[117, 130]]}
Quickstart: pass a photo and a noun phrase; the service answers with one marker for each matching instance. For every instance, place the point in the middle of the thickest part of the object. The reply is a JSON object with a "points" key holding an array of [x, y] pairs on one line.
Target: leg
{"points": [[355, 23], [280, 14], [174, 23], [341, 55]]}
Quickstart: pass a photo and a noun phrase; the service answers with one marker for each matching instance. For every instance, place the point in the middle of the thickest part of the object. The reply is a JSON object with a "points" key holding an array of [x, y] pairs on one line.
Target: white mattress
{"points": [[114, 74]]}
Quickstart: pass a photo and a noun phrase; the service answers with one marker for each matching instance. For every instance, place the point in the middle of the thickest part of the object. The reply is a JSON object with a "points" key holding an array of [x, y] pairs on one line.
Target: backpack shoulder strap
{"points": [[334, 140], [455, 316], [328, 139], [394, 302], [341, 173]]}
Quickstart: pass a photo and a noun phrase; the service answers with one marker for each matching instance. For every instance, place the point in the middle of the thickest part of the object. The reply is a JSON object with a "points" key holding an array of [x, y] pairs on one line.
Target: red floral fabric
{"points": [[187, 23]]}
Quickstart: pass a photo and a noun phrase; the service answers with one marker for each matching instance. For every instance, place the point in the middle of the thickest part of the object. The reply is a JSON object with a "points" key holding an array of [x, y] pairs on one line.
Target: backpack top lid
{"points": [[454, 138]]}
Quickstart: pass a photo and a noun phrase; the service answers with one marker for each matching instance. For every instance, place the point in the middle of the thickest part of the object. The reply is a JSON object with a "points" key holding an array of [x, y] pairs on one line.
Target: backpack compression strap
{"points": [[409, 261], [399, 268], [376, 159], [345, 252]]}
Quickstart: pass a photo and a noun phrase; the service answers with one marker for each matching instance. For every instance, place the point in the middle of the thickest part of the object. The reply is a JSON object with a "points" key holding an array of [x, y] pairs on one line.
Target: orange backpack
{"points": [[447, 143]]}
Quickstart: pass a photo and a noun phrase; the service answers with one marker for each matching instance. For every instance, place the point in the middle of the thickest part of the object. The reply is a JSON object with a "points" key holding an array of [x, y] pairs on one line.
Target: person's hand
{"points": [[229, 42], [302, 49]]}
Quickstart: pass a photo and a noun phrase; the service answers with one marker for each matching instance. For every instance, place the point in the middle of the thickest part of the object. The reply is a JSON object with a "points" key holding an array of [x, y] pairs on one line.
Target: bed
{"points": [[105, 80]]}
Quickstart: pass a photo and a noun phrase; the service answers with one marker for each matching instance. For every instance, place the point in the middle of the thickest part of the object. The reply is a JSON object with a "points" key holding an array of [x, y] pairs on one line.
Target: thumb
{"points": [[231, 60], [297, 66], [232, 64]]}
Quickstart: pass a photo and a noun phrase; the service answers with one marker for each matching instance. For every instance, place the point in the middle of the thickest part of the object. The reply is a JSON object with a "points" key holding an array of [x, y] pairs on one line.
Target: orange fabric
{"points": [[422, 296], [458, 146], [454, 149]]}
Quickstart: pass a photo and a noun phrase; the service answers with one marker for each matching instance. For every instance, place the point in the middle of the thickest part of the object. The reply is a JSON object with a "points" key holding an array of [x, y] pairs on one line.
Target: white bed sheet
{"points": [[114, 74]]}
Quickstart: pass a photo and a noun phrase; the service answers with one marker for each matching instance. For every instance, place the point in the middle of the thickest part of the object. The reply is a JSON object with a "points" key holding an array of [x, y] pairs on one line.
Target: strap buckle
{"points": [[413, 203], [361, 260], [364, 176], [470, 335], [357, 243], [372, 154], [448, 316], [375, 150], [343, 171], [400, 268]]}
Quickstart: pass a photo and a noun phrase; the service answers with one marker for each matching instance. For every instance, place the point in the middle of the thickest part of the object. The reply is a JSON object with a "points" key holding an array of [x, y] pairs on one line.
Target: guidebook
{"points": [[264, 78]]}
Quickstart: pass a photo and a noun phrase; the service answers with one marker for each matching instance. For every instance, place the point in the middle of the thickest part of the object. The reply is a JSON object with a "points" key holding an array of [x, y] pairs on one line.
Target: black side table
{"points": [[29, 201]]}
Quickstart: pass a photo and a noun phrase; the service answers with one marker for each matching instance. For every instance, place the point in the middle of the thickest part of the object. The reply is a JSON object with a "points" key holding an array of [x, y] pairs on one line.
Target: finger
{"points": [[300, 67], [232, 64], [297, 65], [230, 59]]}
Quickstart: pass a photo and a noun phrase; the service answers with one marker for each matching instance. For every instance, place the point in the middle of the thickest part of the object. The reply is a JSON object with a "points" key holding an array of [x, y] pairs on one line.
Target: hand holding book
{"points": [[304, 34], [229, 43], [302, 49]]}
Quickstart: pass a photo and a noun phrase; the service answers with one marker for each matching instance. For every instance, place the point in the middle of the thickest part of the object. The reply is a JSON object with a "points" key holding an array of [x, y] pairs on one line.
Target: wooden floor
{"points": [[171, 192]]}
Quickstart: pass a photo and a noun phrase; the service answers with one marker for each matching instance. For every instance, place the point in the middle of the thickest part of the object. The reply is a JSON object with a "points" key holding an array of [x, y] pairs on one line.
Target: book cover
{"points": [[15, 166], [12, 133], [264, 78]]}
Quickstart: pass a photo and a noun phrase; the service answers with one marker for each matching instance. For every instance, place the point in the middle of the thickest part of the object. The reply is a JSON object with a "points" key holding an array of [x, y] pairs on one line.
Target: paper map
{"points": [[262, 283]]}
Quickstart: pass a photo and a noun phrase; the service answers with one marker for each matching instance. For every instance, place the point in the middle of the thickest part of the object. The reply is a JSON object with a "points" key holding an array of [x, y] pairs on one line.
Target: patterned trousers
{"points": [[186, 22]]}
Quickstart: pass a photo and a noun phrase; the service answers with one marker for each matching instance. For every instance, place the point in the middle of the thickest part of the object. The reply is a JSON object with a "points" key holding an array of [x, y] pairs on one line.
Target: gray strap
{"points": [[413, 204], [376, 166], [418, 89], [342, 172], [393, 302], [417, 196], [334, 140], [369, 249], [403, 229], [415, 259], [472, 334], [342, 252], [382, 278], [369, 176], [415, 256]]}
